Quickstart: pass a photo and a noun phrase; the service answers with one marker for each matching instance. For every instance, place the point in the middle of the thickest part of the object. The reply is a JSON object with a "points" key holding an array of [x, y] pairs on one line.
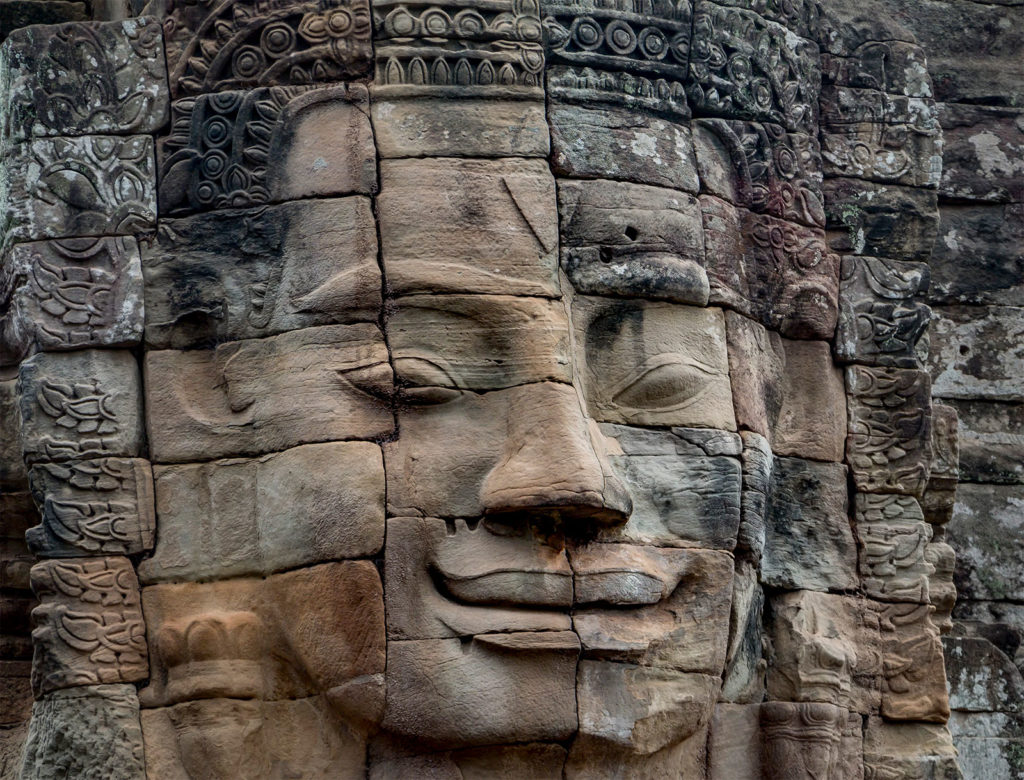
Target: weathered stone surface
{"points": [[70, 294], [244, 45], [12, 740], [981, 677], [809, 543], [880, 320], [89, 624], [801, 739], [325, 625], [991, 436], [524, 449], [893, 540], [453, 579], [632, 241], [455, 225], [77, 79], [442, 691], [734, 742], [982, 152], [610, 143], [979, 254], [648, 363], [889, 446], [263, 395], [538, 760], [786, 390], [238, 149], [762, 168], [945, 466], [635, 56], [758, 467], [743, 678], [220, 738], [85, 186], [909, 751], [941, 586], [643, 722], [665, 608], [443, 344], [880, 220], [440, 126], [726, 80], [843, 105], [90, 731], [913, 672], [305, 505], [13, 475], [986, 535], [824, 648], [85, 404], [101, 506], [16, 699], [15, 14], [988, 744], [233, 275], [684, 485], [776, 272], [978, 352]]}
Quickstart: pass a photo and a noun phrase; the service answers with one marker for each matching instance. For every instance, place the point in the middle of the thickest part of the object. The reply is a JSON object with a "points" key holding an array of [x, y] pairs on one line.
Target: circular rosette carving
{"points": [[587, 33], [620, 38]]}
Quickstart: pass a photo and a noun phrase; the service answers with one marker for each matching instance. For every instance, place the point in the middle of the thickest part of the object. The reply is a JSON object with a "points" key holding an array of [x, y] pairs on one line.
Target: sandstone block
{"points": [[305, 505], [786, 390], [889, 445], [990, 551], [880, 220], [801, 16], [941, 586], [914, 751], [824, 648], [618, 57], [978, 352], [83, 404], [70, 294], [447, 126], [882, 152], [89, 622], [237, 149], [263, 395], [981, 677], [85, 186], [727, 81], [761, 167], [776, 272], [16, 14], [734, 749], [12, 739], [801, 739], [632, 241], [526, 449], [808, 542], [991, 437], [982, 151], [871, 50], [325, 625], [843, 105], [758, 468], [13, 475], [664, 608], [893, 539], [210, 49], [452, 579], [231, 275], [84, 78], [16, 699], [644, 722], [612, 143], [684, 485], [651, 363], [880, 320], [744, 678], [482, 226], [441, 692], [100, 506], [537, 760], [90, 731], [211, 739], [913, 671], [444, 344], [978, 254]]}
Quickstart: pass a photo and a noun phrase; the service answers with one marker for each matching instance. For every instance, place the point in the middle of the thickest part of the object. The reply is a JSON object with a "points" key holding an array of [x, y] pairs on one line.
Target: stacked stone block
{"points": [[80, 100]]}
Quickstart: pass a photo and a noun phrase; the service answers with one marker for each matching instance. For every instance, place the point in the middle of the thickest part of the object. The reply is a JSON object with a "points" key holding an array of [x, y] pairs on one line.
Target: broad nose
{"points": [[552, 463]]}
